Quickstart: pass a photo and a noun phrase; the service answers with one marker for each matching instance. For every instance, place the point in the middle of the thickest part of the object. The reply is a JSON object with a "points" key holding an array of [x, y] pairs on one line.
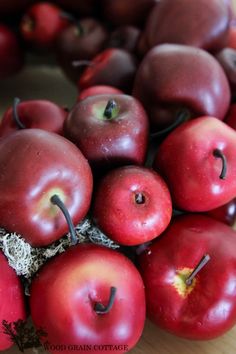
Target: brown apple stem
{"points": [[55, 199], [16, 118], [181, 117], [219, 154], [71, 18], [100, 309], [110, 109], [205, 259]]}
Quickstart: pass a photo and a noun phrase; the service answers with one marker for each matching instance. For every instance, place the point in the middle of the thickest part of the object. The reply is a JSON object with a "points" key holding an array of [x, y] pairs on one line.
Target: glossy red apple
{"points": [[109, 130], [80, 41], [195, 306], [199, 23], [202, 176], [12, 302], [112, 67], [41, 24], [132, 205], [173, 79], [11, 58], [35, 165], [41, 114], [226, 213], [98, 90], [78, 302]]}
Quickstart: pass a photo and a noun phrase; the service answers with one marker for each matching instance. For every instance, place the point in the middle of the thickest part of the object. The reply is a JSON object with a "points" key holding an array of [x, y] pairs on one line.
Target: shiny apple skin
{"points": [[12, 57], [113, 142], [227, 59], [12, 302], [209, 310], [120, 217], [98, 90], [199, 23], [34, 165], [226, 213], [193, 177], [65, 291], [40, 114], [173, 77]]}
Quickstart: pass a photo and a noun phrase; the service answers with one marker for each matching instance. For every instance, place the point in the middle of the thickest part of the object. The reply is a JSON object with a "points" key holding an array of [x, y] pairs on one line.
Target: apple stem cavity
{"points": [[205, 259], [219, 154], [182, 116], [100, 309], [16, 118], [111, 109], [55, 200], [139, 198]]}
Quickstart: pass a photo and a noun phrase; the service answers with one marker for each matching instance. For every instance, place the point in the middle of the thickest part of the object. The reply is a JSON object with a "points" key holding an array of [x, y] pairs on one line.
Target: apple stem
{"points": [[16, 118], [219, 154], [100, 308], [78, 63], [71, 18], [205, 259], [110, 109], [139, 198], [181, 117], [55, 199]]}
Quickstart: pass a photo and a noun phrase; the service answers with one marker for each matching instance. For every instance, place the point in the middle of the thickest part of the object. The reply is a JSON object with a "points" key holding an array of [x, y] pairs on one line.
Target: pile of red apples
{"points": [[148, 153]]}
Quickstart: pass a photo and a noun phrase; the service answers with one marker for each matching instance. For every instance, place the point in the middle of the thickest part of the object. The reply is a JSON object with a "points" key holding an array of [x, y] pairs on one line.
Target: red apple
{"points": [[80, 42], [195, 306], [198, 162], [109, 130], [201, 23], [227, 59], [226, 213], [11, 58], [79, 303], [98, 90], [12, 304], [132, 205], [41, 114], [173, 79], [113, 67], [35, 165], [124, 37], [230, 118], [41, 24]]}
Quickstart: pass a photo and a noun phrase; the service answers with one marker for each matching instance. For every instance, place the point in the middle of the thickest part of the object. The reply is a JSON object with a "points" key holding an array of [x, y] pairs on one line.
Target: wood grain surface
{"points": [[44, 82]]}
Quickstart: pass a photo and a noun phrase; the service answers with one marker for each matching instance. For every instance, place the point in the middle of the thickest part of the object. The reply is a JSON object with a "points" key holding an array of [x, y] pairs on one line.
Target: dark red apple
{"points": [[198, 162], [230, 118], [201, 23], [35, 165], [41, 114], [176, 79], [123, 12], [227, 59], [132, 205], [226, 213], [81, 7], [124, 37], [41, 24], [12, 57], [109, 130], [98, 90], [79, 303], [12, 302], [113, 67], [80, 41], [199, 305]]}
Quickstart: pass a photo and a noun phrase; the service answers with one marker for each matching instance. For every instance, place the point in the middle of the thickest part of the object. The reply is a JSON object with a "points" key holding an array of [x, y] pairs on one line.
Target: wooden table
{"points": [[49, 83]]}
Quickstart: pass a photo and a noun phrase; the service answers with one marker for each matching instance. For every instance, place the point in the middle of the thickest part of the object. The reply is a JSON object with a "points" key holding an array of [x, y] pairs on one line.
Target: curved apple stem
{"points": [[16, 118], [55, 199], [181, 117], [111, 109], [205, 259], [100, 308], [219, 154]]}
